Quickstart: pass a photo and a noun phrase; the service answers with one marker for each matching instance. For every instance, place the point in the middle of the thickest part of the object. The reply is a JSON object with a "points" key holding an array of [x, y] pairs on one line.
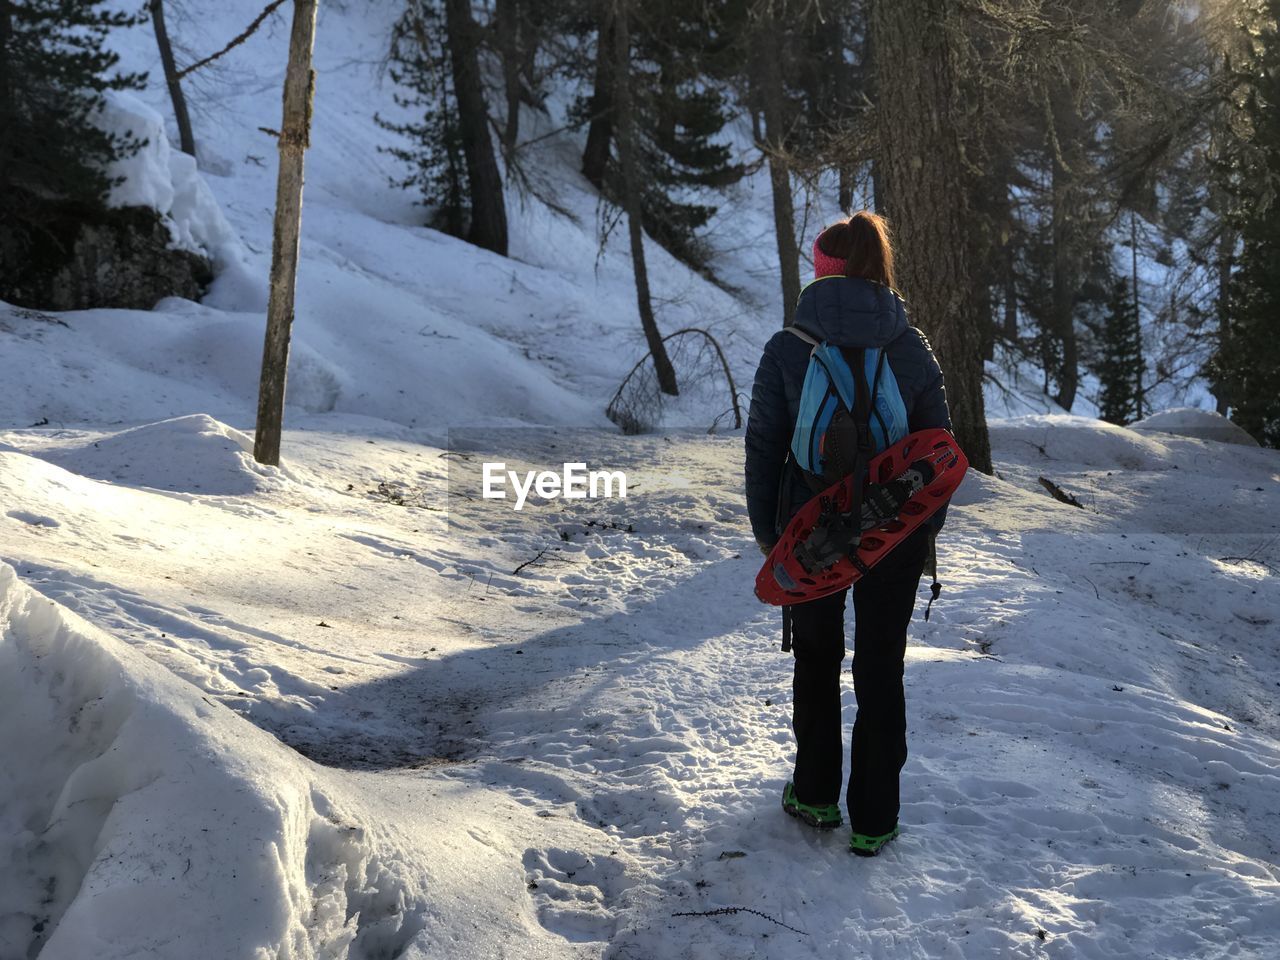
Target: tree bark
{"points": [[869, 79], [1010, 293], [488, 207], [770, 98], [1226, 261], [1066, 284], [631, 199], [295, 134], [1071, 231], [1140, 393], [507, 17], [921, 176], [185, 138], [595, 156]]}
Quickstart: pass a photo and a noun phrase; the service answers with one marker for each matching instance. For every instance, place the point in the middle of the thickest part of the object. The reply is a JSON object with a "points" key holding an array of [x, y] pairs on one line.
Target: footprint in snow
{"points": [[34, 519], [574, 892]]}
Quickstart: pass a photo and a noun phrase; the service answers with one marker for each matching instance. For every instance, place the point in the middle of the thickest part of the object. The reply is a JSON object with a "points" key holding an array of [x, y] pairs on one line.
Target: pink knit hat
{"points": [[824, 265]]}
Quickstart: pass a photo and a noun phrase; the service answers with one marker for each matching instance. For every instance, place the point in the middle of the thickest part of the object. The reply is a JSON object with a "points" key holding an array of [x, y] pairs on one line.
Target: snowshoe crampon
{"points": [[825, 548]]}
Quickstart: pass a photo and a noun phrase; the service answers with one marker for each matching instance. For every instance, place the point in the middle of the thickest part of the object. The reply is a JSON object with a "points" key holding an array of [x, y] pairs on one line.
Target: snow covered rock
{"points": [[167, 181], [1190, 422]]}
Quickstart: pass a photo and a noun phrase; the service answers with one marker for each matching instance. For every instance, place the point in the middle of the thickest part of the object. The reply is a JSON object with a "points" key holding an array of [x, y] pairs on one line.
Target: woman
{"points": [[851, 303]]}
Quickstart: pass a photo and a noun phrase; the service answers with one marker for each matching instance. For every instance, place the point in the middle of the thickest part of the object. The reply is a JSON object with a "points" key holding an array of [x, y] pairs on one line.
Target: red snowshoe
{"points": [[825, 548]]}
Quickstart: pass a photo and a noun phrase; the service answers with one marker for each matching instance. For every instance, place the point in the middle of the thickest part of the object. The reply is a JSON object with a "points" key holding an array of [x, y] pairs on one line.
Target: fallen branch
{"points": [[729, 911], [248, 32], [529, 563], [1059, 494]]}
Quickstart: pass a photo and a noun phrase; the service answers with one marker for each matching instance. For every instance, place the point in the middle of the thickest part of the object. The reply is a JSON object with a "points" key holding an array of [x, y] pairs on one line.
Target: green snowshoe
{"points": [[824, 817]]}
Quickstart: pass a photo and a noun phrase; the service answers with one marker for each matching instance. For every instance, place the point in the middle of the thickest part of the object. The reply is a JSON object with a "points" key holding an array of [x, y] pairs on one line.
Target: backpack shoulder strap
{"points": [[803, 334], [863, 394]]}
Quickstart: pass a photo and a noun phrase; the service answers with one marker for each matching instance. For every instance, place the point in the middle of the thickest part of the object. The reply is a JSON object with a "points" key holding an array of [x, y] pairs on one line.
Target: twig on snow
{"points": [[1059, 494], [528, 563], [729, 911]]}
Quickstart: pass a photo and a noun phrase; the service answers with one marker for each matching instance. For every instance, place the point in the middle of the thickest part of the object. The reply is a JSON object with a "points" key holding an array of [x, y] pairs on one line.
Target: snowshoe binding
{"points": [[865, 845], [824, 816]]}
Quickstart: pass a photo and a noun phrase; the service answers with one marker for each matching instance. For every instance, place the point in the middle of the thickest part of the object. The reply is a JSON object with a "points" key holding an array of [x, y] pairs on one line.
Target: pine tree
{"points": [[1120, 365], [678, 114], [437, 169], [54, 70], [435, 56], [1248, 359]]}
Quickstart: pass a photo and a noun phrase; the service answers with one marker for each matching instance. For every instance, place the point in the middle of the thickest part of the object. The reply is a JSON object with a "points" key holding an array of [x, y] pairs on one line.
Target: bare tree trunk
{"points": [[771, 103], [1066, 284], [595, 156], [488, 207], [922, 178], [985, 309], [1070, 226], [1140, 393], [1226, 260], [631, 198], [507, 16], [185, 139], [1010, 294], [295, 134], [869, 80]]}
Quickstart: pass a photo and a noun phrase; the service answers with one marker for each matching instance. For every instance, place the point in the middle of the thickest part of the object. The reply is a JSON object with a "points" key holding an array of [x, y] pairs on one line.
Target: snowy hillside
{"points": [[341, 708]]}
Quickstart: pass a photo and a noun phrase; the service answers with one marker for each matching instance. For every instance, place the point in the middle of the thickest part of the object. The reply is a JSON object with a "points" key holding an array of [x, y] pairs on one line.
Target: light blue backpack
{"points": [[846, 392]]}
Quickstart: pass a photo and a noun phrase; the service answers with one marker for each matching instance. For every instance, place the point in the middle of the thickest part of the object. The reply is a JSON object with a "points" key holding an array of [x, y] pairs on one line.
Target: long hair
{"points": [[865, 245]]}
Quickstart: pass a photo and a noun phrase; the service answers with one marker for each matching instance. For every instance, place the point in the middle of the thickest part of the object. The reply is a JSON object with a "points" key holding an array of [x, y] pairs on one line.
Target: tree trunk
{"points": [[631, 199], [1070, 232], [185, 138], [488, 207], [770, 98], [1140, 393], [295, 133], [1066, 284], [595, 156], [869, 80], [1226, 260], [921, 175], [507, 17], [1010, 293], [985, 307], [6, 94]]}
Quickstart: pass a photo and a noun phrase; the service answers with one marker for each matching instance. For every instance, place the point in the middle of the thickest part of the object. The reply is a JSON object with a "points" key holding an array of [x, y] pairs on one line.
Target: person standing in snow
{"points": [[850, 304]]}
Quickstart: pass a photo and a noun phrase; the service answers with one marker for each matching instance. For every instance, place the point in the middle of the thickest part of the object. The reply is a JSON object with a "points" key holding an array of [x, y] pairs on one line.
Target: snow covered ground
{"points": [[565, 760], [346, 708]]}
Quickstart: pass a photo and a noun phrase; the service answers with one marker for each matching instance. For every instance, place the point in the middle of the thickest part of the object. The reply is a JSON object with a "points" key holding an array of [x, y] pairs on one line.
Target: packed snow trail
{"points": [[1094, 739]]}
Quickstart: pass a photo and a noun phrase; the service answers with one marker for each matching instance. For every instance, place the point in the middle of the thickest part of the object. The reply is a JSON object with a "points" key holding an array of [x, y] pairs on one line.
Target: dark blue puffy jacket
{"points": [[848, 312]]}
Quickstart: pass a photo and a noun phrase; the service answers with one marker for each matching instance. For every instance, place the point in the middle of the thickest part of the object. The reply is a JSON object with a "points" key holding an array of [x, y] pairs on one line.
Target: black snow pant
{"points": [[883, 601]]}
